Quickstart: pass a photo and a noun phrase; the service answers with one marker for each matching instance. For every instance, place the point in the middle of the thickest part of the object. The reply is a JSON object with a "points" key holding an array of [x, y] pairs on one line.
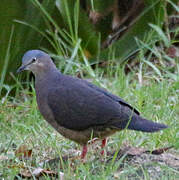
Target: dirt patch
{"points": [[142, 163]]}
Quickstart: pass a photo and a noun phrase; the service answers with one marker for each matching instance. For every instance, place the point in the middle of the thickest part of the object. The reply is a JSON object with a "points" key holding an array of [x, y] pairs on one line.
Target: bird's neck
{"points": [[46, 74]]}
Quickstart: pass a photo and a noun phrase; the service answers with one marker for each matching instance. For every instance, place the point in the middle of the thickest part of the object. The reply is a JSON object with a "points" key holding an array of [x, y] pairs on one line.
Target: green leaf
{"points": [[153, 67]]}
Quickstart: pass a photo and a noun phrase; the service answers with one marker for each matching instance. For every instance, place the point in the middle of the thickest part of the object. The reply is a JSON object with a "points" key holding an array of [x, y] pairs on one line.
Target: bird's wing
{"points": [[76, 105], [112, 96]]}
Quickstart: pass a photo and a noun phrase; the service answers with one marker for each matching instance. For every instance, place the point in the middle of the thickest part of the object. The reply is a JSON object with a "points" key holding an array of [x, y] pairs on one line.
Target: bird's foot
{"points": [[84, 151], [104, 142]]}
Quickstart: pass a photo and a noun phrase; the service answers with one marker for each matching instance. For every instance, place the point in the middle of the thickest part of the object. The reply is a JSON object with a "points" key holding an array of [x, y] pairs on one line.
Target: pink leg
{"points": [[104, 141], [84, 151]]}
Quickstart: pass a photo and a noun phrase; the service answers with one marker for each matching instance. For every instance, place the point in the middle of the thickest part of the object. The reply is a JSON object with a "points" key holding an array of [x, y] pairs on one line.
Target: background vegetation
{"points": [[106, 31]]}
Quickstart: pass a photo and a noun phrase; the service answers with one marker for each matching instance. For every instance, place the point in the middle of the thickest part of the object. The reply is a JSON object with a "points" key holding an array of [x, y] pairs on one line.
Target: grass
{"points": [[21, 123]]}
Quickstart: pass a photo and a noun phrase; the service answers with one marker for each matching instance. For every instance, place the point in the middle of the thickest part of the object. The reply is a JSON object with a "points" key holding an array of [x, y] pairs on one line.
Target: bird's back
{"points": [[78, 106]]}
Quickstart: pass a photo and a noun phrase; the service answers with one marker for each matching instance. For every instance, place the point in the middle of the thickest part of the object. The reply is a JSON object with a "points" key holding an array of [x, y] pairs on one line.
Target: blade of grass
{"points": [[174, 5], [6, 61], [75, 51], [161, 34]]}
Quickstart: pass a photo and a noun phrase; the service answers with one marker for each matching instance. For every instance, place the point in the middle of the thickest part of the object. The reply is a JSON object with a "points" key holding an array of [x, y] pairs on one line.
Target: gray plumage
{"points": [[78, 109]]}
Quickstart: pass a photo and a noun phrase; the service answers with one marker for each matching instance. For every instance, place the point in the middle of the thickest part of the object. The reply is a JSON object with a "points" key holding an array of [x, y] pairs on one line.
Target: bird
{"points": [[78, 109]]}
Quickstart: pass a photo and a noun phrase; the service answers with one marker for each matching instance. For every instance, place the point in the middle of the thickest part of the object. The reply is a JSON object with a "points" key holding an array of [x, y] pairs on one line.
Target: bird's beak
{"points": [[21, 68]]}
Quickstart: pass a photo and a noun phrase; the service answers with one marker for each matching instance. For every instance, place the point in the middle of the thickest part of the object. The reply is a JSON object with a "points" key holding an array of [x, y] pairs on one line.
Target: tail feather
{"points": [[140, 124]]}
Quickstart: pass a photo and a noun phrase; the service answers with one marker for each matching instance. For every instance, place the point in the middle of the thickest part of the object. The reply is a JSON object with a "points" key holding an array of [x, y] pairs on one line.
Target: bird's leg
{"points": [[84, 151], [104, 141]]}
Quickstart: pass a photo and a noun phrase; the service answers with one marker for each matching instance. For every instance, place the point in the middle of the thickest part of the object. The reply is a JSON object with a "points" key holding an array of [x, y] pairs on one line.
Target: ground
{"points": [[27, 142]]}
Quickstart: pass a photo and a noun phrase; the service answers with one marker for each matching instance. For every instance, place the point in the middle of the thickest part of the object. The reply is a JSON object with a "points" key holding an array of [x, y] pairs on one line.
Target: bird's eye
{"points": [[33, 60]]}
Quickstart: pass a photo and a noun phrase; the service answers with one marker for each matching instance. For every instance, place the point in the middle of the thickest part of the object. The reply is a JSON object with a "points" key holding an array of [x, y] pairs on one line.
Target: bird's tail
{"points": [[140, 124]]}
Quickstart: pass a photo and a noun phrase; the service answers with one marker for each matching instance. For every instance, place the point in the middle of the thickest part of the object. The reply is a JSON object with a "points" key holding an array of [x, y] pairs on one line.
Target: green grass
{"points": [[21, 123]]}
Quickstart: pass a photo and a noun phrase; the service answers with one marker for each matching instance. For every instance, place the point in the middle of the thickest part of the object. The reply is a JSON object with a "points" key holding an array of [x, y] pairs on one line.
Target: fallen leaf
{"points": [[23, 152], [161, 150], [130, 152], [50, 173], [26, 173], [37, 171], [134, 151], [173, 52]]}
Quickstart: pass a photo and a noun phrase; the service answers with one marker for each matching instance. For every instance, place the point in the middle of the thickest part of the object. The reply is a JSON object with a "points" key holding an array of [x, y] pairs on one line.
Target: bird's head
{"points": [[36, 61]]}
